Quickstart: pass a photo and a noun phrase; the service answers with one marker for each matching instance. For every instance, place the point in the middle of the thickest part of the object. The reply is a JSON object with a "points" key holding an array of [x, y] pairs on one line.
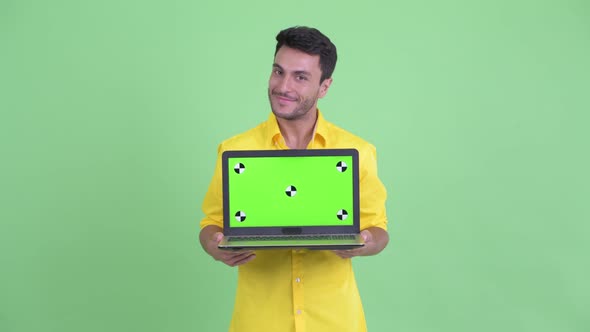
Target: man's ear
{"points": [[324, 86]]}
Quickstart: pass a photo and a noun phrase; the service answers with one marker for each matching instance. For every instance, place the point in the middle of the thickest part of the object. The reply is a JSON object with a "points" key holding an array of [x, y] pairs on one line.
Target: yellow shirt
{"points": [[300, 290]]}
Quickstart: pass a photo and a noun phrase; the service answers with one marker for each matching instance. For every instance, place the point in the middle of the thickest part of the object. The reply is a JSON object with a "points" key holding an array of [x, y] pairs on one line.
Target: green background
{"points": [[111, 112], [321, 191]]}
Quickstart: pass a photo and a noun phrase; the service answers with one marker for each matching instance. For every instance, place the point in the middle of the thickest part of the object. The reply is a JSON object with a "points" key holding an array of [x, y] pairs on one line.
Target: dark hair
{"points": [[310, 41]]}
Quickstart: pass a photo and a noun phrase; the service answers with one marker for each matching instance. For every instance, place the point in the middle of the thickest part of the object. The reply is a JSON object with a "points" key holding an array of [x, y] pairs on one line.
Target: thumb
{"points": [[366, 235], [217, 237]]}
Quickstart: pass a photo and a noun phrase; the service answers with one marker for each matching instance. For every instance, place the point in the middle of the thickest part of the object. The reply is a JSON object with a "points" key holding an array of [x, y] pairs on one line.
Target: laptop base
{"points": [[243, 242]]}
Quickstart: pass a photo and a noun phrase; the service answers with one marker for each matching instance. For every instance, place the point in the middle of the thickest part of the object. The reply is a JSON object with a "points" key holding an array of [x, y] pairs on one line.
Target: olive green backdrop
{"points": [[111, 112]]}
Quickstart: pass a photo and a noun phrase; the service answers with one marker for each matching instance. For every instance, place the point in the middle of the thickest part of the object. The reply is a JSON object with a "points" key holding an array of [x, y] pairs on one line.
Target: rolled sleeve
{"points": [[213, 203], [372, 191]]}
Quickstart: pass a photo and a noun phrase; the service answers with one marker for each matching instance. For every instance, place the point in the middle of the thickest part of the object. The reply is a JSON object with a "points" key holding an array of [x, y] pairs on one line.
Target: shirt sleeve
{"points": [[372, 191], [213, 203]]}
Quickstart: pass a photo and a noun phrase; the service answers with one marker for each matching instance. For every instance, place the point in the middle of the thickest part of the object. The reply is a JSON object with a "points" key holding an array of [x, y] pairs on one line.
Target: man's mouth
{"points": [[284, 98]]}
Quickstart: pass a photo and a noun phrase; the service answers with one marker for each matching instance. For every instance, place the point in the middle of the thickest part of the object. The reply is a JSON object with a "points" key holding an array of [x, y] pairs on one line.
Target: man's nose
{"points": [[284, 84]]}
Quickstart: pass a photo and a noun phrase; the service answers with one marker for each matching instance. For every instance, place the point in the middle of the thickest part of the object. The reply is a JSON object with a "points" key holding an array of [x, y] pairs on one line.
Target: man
{"points": [[299, 290]]}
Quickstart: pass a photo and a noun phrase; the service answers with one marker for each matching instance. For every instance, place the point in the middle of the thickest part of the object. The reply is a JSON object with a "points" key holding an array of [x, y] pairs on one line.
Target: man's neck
{"points": [[298, 133]]}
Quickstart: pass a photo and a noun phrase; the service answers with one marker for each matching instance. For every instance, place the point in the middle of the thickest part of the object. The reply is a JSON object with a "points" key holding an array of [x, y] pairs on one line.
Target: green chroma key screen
{"points": [[290, 191]]}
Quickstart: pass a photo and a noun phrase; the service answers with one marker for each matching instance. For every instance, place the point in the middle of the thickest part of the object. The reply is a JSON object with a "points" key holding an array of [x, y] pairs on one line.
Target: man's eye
{"points": [[302, 78], [278, 72]]}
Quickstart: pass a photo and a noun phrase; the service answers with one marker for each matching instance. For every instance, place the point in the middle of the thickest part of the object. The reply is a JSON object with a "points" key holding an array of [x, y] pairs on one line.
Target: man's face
{"points": [[294, 85]]}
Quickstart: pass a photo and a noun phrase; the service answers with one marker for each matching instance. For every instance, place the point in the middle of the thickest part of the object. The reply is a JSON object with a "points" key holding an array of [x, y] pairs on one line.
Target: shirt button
{"points": [[298, 279], [299, 312]]}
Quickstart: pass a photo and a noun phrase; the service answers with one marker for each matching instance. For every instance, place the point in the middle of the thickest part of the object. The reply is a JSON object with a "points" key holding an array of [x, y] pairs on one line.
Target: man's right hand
{"points": [[211, 236]]}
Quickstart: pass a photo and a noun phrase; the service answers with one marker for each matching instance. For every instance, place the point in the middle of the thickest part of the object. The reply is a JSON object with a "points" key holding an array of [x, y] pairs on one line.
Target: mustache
{"points": [[284, 95]]}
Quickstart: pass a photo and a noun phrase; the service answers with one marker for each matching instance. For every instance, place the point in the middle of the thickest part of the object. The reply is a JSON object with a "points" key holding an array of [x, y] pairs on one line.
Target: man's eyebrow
{"points": [[302, 72], [297, 72]]}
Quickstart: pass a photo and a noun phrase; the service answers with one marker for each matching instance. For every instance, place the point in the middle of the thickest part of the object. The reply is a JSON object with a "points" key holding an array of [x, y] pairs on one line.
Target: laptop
{"points": [[291, 199]]}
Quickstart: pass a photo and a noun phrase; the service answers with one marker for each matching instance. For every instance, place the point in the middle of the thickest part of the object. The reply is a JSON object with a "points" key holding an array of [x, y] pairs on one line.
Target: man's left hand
{"points": [[362, 251]]}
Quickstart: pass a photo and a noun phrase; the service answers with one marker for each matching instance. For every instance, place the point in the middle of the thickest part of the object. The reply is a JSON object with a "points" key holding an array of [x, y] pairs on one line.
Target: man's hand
{"points": [[211, 236], [375, 240]]}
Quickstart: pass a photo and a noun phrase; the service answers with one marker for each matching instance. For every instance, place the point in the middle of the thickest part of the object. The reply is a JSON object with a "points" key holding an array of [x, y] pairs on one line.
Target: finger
{"points": [[367, 236], [236, 255], [242, 251], [245, 260], [217, 237], [239, 260], [344, 253]]}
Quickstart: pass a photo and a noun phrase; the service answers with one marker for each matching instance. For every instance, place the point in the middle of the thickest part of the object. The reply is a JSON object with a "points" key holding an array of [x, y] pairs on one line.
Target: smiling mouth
{"points": [[284, 98], [287, 100]]}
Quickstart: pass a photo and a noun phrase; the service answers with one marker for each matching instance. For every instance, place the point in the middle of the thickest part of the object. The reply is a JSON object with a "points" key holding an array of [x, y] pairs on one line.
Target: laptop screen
{"points": [[289, 189]]}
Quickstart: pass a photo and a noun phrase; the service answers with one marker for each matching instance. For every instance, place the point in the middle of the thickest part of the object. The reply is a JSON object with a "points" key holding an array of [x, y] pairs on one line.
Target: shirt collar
{"points": [[321, 132]]}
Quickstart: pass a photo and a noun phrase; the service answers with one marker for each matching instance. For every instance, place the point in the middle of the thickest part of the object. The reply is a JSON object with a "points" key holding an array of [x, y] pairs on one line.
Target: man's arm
{"points": [[376, 240], [211, 233], [210, 237]]}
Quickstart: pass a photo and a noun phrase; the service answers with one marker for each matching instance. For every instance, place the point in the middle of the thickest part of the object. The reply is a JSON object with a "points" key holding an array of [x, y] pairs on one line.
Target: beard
{"points": [[300, 108]]}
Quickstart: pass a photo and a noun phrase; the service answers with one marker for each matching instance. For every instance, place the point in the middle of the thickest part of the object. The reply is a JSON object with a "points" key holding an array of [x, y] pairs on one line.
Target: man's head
{"points": [[312, 42], [302, 72]]}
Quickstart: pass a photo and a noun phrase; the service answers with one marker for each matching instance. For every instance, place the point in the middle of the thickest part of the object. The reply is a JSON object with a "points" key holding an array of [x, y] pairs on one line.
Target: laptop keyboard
{"points": [[292, 237]]}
